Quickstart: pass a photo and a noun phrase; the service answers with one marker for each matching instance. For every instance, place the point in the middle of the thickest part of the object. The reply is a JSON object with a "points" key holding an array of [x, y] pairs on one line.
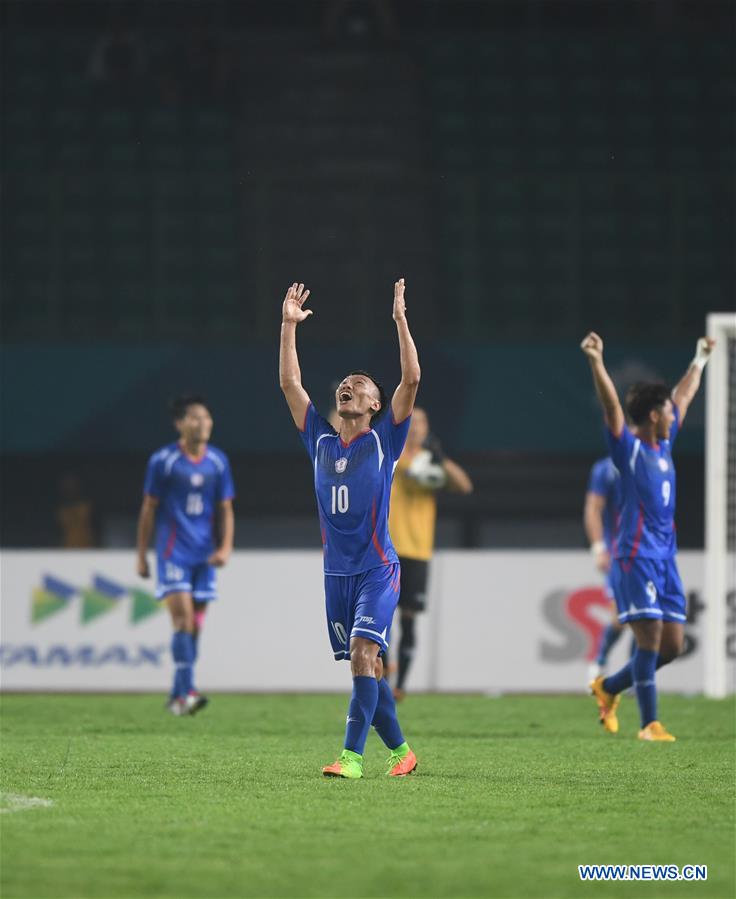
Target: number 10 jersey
{"points": [[352, 482]]}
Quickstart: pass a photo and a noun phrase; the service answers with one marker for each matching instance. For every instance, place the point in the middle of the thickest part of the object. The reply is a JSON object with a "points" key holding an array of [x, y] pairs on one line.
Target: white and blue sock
{"points": [[624, 678]]}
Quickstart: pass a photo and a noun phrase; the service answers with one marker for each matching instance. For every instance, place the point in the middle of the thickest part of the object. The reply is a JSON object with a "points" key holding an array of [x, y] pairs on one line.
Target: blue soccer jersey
{"points": [[605, 481], [647, 521], [188, 491], [353, 486]]}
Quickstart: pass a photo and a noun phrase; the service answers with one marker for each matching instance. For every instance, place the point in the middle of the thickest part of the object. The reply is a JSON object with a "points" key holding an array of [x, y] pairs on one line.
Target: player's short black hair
{"points": [[179, 405], [644, 396], [381, 392]]}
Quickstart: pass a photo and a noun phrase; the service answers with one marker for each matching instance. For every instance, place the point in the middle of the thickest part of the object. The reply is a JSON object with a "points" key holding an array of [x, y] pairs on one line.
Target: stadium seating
{"points": [[564, 172]]}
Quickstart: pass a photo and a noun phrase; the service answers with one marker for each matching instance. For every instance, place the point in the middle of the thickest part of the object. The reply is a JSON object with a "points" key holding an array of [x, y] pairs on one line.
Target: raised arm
{"points": [[686, 389], [402, 402], [592, 346], [290, 376]]}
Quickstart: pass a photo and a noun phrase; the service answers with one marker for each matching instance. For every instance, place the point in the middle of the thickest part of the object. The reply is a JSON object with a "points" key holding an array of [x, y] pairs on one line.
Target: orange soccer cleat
{"points": [[656, 731], [607, 705], [399, 765]]}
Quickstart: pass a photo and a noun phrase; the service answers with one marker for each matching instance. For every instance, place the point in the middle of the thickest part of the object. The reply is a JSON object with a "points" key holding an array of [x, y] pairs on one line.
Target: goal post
{"points": [[720, 499]]}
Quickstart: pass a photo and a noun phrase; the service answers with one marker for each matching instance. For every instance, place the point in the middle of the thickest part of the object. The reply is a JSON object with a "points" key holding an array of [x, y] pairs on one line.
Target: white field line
{"points": [[15, 802]]}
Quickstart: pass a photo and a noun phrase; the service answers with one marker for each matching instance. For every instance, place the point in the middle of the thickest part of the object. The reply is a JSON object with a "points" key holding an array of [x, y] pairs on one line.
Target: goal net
{"points": [[720, 508]]}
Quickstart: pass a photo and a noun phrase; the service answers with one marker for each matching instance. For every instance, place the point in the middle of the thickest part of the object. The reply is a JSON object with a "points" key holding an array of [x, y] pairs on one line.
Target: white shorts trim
{"points": [[650, 612], [365, 630], [163, 589]]}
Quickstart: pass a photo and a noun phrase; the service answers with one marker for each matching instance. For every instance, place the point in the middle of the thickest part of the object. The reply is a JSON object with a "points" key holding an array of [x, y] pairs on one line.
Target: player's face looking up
{"points": [[356, 396], [195, 425], [419, 428]]}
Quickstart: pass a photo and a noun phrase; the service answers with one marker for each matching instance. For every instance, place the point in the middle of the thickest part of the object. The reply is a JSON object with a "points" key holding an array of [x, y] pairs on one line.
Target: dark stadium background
{"points": [[533, 169]]}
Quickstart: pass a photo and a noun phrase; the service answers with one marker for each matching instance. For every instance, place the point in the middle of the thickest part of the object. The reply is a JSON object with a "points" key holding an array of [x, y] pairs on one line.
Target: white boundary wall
{"points": [[497, 621]]}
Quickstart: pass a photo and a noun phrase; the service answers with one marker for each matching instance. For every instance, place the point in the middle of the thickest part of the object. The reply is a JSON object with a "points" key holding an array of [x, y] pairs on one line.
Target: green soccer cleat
{"points": [[349, 765]]}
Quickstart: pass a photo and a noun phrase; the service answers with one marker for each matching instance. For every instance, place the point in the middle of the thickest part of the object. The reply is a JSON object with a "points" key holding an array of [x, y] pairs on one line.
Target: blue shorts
{"points": [[177, 577], [361, 605], [648, 588]]}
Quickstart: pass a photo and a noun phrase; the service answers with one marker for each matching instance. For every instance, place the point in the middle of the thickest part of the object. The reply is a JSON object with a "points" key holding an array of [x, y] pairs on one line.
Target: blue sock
{"points": [[644, 665], [195, 653], [188, 676], [361, 711], [176, 686], [624, 678], [619, 681], [182, 651], [176, 651], [609, 638], [385, 721]]}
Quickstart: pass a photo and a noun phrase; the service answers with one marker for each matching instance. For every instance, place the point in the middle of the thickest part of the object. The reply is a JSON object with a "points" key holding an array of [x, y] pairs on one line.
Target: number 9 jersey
{"points": [[647, 519], [352, 482]]}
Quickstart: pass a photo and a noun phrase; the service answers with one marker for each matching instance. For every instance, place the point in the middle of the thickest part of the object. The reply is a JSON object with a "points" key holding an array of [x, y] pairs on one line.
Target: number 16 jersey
{"points": [[352, 482], [189, 491]]}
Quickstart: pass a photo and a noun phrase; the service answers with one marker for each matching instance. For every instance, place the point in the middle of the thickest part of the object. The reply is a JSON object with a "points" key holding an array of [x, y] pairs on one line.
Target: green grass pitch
{"points": [[511, 794]]}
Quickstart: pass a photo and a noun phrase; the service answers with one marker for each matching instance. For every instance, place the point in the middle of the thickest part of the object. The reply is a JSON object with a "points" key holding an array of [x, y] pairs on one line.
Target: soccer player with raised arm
{"points": [[187, 498], [353, 469], [646, 583]]}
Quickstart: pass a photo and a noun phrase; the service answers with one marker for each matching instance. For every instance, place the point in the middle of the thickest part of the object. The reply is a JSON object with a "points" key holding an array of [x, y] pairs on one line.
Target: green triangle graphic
{"points": [[94, 604], [45, 604], [143, 605]]}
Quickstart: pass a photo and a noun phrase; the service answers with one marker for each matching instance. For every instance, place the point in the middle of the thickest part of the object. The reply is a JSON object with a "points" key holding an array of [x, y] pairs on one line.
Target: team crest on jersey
{"points": [[197, 479], [341, 465], [664, 465]]}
